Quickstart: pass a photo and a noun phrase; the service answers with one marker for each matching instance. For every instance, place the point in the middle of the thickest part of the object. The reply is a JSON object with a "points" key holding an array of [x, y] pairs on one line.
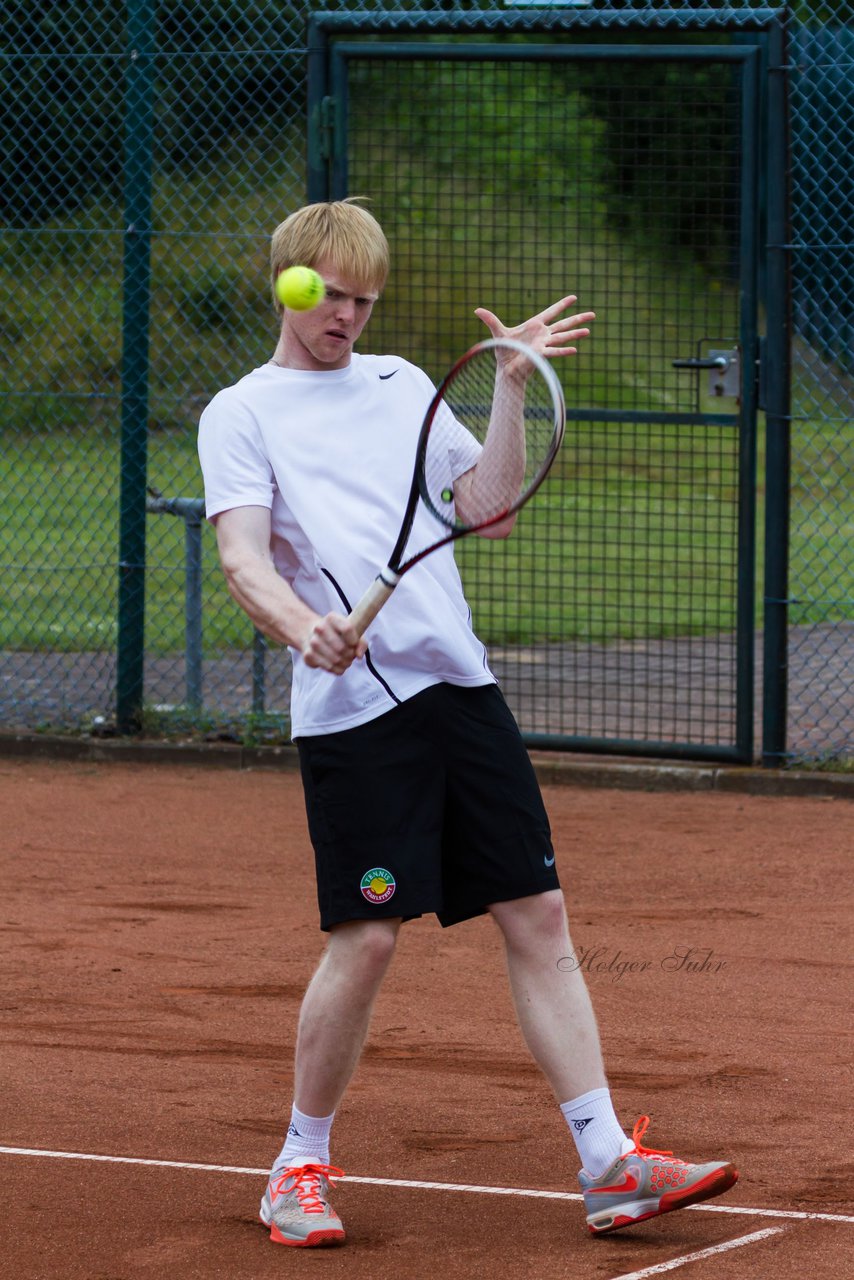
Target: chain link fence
{"points": [[821, 561], [149, 149]]}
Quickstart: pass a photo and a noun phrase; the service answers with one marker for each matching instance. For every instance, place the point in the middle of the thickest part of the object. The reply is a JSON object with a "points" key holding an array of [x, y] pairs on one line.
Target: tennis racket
{"points": [[498, 417]]}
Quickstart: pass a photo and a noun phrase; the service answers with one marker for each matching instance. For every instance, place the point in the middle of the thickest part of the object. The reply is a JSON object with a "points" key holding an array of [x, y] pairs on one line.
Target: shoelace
{"points": [[638, 1132], [306, 1184]]}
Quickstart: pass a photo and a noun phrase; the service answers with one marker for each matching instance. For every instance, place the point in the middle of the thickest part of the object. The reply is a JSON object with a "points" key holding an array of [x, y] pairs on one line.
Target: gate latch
{"points": [[724, 371]]}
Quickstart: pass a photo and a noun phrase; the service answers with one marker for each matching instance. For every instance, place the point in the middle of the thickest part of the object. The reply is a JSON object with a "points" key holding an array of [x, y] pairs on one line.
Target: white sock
{"points": [[307, 1139], [596, 1130]]}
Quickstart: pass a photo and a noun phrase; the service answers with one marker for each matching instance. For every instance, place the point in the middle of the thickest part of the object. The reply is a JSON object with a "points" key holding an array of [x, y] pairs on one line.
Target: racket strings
{"points": [[509, 439]]}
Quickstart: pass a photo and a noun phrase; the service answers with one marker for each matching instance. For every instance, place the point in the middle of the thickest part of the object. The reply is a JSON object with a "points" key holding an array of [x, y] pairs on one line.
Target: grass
{"points": [[829, 763], [633, 536], [61, 493], [622, 542], [250, 729], [604, 551]]}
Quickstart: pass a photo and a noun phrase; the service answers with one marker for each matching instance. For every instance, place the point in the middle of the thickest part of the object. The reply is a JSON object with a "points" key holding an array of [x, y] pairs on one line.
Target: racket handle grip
{"points": [[373, 600]]}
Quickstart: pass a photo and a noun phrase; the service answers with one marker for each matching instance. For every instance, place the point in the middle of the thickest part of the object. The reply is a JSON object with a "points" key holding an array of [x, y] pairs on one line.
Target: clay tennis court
{"points": [[159, 927]]}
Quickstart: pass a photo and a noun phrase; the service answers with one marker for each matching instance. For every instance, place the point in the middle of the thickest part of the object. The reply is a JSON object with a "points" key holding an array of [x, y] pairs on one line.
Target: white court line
{"points": [[793, 1215], [660, 1267]]}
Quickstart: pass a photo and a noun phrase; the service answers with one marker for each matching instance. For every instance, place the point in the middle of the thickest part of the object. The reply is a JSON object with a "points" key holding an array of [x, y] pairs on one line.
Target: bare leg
{"points": [[552, 1003], [336, 1011]]}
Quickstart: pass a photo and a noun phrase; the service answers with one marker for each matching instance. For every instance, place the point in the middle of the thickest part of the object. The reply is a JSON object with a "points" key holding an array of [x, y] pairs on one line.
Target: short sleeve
{"points": [[235, 466], [462, 448]]}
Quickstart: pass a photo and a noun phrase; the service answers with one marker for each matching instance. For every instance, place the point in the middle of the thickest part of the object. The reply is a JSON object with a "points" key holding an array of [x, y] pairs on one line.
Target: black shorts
{"points": [[432, 807]]}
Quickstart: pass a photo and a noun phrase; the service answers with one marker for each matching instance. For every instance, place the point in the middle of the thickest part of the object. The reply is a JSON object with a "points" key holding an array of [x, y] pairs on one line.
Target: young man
{"points": [[307, 463]]}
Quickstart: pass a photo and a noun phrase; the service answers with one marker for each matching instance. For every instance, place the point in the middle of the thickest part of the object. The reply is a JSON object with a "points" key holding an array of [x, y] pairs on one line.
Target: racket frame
{"points": [[387, 579]]}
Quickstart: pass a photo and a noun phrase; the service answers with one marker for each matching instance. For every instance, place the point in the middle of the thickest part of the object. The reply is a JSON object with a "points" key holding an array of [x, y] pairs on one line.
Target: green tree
{"points": [[223, 68]]}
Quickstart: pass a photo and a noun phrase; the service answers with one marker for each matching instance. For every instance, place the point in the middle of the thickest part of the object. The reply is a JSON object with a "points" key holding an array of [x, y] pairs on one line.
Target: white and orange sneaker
{"points": [[645, 1182], [295, 1207]]}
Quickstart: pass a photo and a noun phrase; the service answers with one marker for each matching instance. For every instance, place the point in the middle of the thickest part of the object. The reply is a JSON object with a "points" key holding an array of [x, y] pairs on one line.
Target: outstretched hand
{"points": [[549, 332]]}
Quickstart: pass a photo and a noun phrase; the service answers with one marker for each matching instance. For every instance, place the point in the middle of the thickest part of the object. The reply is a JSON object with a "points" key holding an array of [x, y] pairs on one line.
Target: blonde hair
{"points": [[340, 230]]}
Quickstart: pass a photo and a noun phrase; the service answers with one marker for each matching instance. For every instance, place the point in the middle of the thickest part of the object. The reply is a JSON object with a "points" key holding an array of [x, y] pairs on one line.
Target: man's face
{"points": [[323, 338]]}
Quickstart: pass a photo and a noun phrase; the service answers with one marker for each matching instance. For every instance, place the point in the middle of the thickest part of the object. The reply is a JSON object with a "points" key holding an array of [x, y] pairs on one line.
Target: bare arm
{"points": [[500, 469], [243, 538], [549, 333]]}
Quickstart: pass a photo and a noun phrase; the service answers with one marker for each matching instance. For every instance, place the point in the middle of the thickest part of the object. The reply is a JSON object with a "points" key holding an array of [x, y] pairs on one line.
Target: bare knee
{"points": [[534, 921], [363, 948]]}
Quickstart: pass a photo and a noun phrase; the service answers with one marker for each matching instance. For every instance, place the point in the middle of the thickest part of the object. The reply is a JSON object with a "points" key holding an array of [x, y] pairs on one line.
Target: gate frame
{"points": [[760, 35]]}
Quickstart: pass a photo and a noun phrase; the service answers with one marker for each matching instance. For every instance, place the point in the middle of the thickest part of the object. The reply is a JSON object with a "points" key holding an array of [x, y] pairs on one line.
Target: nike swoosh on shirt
{"points": [[384, 376], [549, 861]]}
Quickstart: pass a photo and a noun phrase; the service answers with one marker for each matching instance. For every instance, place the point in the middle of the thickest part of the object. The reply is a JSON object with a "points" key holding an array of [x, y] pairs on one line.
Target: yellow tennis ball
{"points": [[299, 288]]}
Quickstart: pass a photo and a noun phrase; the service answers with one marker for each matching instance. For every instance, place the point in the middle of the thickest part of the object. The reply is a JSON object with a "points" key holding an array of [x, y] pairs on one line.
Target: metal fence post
{"points": [[193, 607], [777, 379], [139, 120], [191, 511], [259, 673]]}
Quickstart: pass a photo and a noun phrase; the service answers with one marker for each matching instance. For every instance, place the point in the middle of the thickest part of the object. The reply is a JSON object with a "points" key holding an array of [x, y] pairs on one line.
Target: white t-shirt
{"points": [[331, 454]]}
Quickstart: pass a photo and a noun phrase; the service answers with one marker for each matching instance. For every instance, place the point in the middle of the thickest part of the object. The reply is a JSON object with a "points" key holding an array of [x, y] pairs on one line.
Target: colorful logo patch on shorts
{"points": [[378, 885]]}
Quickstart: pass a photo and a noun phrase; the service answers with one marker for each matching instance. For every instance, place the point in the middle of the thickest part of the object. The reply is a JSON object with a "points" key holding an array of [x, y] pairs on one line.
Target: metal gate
{"points": [[509, 169]]}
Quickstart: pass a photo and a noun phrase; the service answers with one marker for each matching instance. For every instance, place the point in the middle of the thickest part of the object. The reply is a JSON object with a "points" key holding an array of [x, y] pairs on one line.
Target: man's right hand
{"points": [[330, 643], [333, 644]]}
